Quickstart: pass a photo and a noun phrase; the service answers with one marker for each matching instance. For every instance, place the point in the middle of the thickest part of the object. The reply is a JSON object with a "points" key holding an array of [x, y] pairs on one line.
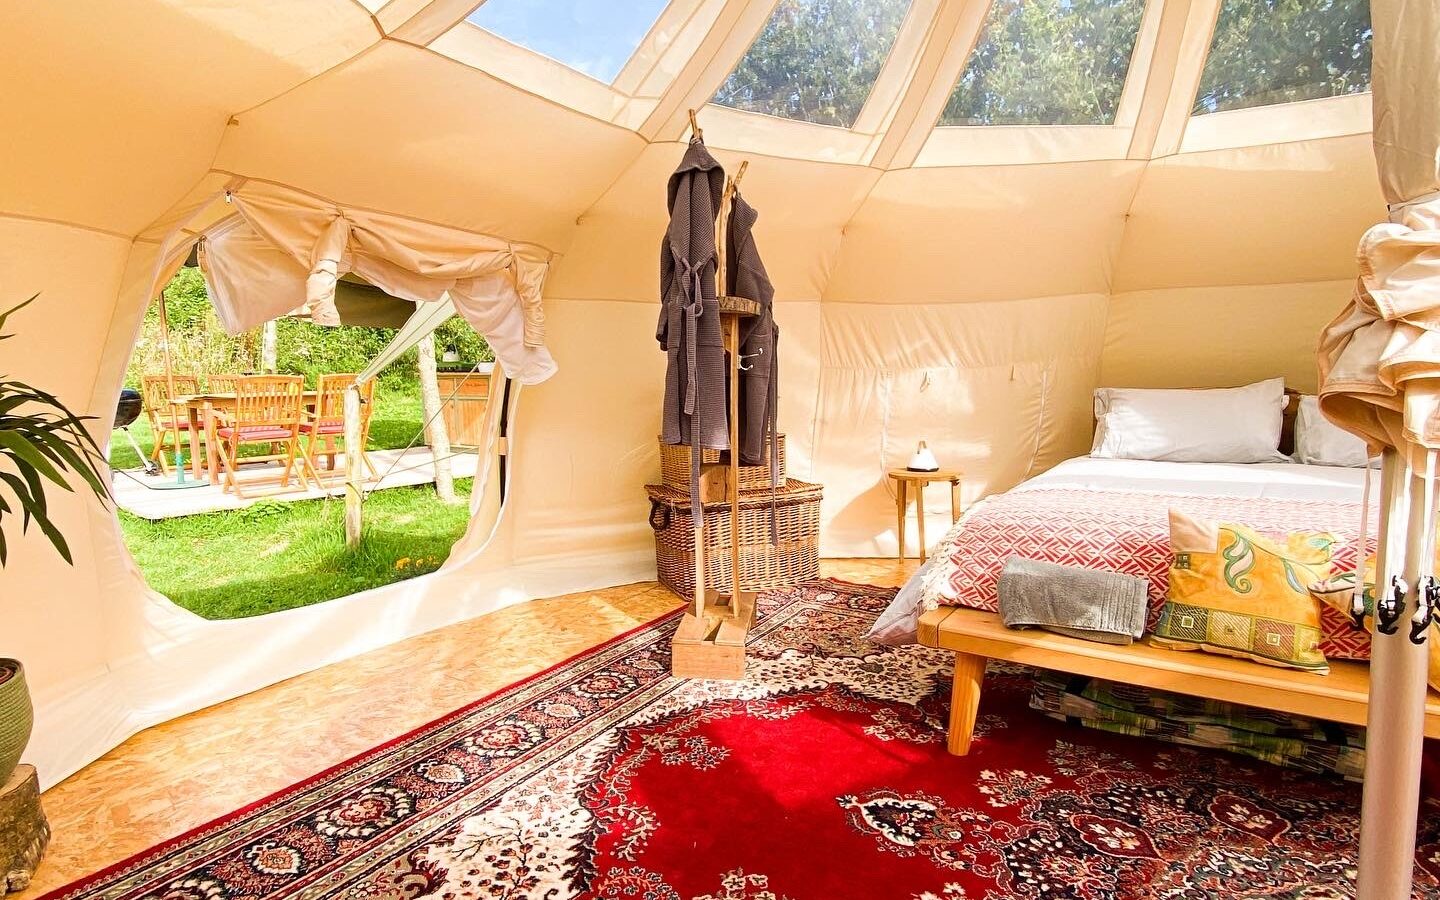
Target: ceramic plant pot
{"points": [[16, 716]]}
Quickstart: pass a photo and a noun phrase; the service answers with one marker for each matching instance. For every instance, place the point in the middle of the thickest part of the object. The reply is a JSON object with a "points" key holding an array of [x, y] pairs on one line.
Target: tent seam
{"points": [[22, 217]]}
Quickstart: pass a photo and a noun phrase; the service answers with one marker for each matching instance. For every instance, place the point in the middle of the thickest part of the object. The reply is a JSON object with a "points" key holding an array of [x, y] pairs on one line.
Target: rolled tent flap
{"points": [[495, 284], [1380, 360], [249, 279]]}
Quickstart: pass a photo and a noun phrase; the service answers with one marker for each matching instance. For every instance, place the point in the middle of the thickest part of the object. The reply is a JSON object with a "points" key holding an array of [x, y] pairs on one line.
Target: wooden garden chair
{"points": [[326, 421], [268, 410], [168, 423], [221, 384]]}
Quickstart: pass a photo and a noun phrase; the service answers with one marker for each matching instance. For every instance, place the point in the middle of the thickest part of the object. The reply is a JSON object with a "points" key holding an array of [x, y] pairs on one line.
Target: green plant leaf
{"points": [[25, 453], [38, 513], [14, 309]]}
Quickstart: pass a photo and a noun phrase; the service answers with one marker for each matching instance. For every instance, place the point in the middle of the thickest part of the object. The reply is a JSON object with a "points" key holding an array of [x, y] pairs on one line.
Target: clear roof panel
{"points": [[1047, 62], [596, 37], [816, 60], [1280, 51]]}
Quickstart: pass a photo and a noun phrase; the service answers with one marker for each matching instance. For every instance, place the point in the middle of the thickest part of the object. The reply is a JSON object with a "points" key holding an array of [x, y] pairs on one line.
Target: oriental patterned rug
{"points": [[823, 775]]}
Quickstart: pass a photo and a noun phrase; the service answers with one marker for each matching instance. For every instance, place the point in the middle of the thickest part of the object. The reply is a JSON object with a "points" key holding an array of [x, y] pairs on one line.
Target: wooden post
{"points": [[439, 434], [354, 467], [732, 345], [24, 831]]}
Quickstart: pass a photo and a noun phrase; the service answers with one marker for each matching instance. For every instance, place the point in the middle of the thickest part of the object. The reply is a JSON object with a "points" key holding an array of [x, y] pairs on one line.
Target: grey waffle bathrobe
{"points": [[759, 337], [689, 328]]}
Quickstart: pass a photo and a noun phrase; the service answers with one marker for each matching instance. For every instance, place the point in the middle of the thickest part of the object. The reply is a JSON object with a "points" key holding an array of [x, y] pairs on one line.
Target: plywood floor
{"points": [[174, 777]]}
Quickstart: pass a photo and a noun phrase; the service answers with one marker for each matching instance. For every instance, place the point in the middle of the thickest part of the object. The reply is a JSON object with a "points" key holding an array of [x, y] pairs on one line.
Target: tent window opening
{"points": [[1279, 51], [595, 37], [1047, 62], [816, 60]]}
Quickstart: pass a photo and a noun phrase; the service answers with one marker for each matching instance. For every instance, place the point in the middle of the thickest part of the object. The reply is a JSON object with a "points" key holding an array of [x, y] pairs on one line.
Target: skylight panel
{"points": [[816, 60], [1279, 51], [1047, 62], [596, 37]]}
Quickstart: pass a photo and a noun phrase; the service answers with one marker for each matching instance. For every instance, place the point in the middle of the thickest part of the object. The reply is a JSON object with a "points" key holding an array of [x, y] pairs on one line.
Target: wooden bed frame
{"points": [[977, 636]]}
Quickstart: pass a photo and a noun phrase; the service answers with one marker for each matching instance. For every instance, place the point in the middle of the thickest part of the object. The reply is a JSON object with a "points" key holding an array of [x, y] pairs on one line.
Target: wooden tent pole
{"points": [[1396, 719], [354, 461]]}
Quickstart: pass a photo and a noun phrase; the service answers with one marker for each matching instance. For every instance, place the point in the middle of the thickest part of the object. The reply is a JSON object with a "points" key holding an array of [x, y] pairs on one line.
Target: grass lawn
{"points": [[276, 555], [273, 555]]}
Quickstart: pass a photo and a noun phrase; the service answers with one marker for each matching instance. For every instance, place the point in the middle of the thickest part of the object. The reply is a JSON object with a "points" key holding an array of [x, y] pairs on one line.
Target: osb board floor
{"points": [[176, 776]]}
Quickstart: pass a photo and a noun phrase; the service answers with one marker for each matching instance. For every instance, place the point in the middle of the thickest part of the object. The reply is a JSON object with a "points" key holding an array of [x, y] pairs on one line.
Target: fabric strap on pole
{"points": [[426, 318]]}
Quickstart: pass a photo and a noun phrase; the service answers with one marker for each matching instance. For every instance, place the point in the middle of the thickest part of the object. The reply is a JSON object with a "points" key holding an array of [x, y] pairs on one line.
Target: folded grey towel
{"points": [[1083, 603]]}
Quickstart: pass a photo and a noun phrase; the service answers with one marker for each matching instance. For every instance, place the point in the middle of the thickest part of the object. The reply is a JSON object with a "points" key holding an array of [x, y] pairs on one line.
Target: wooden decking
{"points": [[136, 494]]}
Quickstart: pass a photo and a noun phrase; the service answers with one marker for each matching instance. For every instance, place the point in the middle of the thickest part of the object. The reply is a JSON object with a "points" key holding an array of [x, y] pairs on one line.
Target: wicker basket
{"points": [[763, 566], [675, 467]]}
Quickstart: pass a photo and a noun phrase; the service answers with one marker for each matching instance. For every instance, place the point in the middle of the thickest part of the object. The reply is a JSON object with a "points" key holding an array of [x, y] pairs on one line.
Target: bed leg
{"points": [[964, 701]]}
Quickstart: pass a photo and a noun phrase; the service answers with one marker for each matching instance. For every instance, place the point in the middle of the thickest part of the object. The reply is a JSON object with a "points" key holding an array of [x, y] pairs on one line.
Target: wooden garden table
{"points": [[200, 410]]}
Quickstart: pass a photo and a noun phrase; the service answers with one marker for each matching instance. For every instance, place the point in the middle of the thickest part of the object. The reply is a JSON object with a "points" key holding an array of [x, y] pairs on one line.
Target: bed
{"points": [[1113, 514]]}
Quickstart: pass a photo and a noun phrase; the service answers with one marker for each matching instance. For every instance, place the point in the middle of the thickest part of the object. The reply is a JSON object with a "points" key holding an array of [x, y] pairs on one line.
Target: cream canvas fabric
{"points": [[970, 287]]}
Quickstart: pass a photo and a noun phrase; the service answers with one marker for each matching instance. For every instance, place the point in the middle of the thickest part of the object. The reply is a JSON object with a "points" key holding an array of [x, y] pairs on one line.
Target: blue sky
{"points": [[596, 37]]}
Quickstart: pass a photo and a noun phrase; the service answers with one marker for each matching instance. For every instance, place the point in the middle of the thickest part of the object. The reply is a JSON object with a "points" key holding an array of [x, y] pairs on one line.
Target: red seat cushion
{"points": [[256, 433], [166, 424], [331, 427]]}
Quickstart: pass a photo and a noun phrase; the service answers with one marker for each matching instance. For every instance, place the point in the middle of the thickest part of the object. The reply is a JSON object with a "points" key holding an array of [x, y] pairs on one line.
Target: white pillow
{"points": [[1229, 425], [1320, 443]]}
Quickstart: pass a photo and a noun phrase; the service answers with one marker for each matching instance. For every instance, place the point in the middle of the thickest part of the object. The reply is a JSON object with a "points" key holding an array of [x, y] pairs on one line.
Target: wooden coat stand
{"points": [[710, 642]]}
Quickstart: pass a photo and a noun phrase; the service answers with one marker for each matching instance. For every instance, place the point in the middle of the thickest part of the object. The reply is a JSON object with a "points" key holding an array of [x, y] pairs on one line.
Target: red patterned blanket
{"points": [[1122, 531]]}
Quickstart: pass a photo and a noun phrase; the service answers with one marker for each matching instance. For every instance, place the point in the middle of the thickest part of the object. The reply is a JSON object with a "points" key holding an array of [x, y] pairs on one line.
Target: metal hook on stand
{"points": [[1390, 605]]}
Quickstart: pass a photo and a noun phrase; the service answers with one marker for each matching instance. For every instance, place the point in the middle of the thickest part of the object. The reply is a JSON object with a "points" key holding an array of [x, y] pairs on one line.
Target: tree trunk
{"points": [[439, 437], [269, 346], [24, 833]]}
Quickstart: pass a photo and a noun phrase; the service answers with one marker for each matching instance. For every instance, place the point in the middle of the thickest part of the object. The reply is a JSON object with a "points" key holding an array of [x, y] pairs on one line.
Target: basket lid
{"points": [[792, 490]]}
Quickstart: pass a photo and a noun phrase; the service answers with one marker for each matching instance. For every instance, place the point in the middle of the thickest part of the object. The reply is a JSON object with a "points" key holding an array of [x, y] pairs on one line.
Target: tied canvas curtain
{"points": [[1379, 363], [288, 249], [1380, 359]]}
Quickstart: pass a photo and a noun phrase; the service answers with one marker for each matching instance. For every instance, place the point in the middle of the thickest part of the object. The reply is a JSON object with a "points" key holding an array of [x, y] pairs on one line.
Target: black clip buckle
{"points": [[1427, 609], [1390, 605]]}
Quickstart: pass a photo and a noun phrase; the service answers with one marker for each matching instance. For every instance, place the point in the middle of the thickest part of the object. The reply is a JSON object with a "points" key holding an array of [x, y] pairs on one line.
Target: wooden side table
{"points": [[903, 479]]}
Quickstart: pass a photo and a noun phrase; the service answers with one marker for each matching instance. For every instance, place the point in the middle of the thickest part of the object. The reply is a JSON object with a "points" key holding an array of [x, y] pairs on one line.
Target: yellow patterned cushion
{"points": [[1336, 591], [1236, 592]]}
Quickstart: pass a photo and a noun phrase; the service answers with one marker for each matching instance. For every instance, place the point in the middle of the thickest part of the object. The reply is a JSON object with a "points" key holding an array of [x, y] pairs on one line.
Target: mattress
{"points": [[1113, 515]]}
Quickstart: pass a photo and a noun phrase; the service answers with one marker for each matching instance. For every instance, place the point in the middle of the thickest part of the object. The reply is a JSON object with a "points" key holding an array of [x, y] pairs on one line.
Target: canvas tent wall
{"points": [[965, 285]]}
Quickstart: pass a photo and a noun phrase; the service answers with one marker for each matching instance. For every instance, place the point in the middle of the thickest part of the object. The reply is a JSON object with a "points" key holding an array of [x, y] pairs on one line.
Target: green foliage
{"points": [[278, 555], [40, 441], [1047, 62], [1280, 51], [816, 60], [200, 345]]}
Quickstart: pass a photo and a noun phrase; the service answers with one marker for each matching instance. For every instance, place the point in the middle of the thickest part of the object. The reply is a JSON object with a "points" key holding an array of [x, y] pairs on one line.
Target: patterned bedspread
{"points": [[1122, 531]]}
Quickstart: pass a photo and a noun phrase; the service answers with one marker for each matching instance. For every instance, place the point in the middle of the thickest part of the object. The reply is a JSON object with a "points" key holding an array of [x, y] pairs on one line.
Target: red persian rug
{"points": [[823, 775]]}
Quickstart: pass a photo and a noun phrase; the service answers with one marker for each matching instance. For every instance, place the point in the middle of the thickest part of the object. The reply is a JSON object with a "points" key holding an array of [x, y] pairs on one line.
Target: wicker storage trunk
{"points": [[763, 566], [675, 467]]}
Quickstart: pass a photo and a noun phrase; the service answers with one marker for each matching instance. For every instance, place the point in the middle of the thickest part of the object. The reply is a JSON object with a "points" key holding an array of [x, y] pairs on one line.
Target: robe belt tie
{"points": [[693, 311]]}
